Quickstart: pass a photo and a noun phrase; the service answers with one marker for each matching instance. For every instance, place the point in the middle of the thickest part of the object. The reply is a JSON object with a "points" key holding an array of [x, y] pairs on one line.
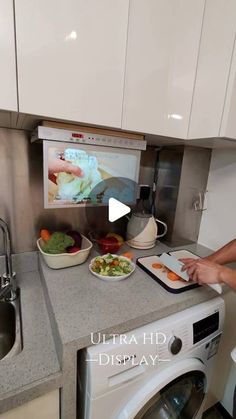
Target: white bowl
{"points": [[65, 260], [112, 278]]}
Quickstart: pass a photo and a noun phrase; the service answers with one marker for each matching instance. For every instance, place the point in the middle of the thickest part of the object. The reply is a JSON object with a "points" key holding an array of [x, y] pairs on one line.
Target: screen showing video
{"points": [[79, 174]]}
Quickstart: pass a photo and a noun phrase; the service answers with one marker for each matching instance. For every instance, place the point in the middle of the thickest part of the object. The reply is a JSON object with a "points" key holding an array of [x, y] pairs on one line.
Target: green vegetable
{"points": [[111, 266], [58, 243]]}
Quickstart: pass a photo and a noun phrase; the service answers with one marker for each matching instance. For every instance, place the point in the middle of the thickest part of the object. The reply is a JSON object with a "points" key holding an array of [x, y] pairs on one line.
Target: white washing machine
{"points": [[159, 371]]}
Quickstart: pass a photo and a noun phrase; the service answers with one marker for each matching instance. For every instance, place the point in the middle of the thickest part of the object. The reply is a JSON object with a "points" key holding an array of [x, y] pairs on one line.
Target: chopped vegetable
{"points": [[173, 276], [45, 234], [128, 255], [109, 265], [58, 243], [157, 265]]}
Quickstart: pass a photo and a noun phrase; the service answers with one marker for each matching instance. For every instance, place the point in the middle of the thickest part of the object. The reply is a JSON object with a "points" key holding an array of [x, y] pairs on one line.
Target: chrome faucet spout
{"points": [[5, 291], [8, 286], [7, 245]]}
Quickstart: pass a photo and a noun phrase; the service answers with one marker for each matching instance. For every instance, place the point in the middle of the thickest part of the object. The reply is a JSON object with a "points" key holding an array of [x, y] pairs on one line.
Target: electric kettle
{"points": [[142, 231]]}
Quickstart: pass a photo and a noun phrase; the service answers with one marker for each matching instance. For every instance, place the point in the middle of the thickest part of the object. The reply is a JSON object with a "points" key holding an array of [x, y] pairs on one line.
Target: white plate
{"points": [[112, 278]]}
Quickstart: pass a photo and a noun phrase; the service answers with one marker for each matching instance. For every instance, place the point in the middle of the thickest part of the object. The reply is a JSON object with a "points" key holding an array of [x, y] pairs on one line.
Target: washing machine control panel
{"points": [[175, 345]]}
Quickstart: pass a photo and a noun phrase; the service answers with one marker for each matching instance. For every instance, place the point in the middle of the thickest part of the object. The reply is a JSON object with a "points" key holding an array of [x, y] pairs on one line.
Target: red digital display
{"points": [[77, 135]]}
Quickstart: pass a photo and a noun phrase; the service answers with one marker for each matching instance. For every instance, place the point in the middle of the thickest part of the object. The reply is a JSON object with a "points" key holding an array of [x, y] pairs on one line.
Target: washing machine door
{"points": [[175, 393], [181, 398]]}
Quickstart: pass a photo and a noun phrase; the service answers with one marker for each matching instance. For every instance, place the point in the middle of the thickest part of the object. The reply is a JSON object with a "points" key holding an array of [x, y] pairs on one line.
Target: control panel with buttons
{"points": [[55, 134]]}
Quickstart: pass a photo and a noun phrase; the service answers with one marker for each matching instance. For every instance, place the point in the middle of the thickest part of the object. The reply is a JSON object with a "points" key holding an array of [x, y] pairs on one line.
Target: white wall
{"points": [[218, 224], [218, 227]]}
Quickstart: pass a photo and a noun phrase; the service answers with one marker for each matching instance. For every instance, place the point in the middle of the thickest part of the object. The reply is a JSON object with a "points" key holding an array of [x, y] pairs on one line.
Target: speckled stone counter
{"points": [[35, 370], [82, 304]]}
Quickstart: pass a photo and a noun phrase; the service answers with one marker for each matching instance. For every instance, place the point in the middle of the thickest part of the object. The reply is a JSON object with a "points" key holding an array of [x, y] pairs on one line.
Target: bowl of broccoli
{"points": [[60, 250]]}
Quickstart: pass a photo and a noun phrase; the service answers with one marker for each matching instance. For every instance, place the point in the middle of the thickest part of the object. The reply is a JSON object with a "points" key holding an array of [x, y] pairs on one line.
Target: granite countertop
{"points": [[83, 304], [35, 370], [60, 312]]}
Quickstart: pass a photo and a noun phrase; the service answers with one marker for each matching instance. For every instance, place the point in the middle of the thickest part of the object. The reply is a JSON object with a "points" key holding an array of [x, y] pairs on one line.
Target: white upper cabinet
{"points": [[163, 46], [164, 67], [213, 69], [71, 58], [8, 93], [228, 126]]}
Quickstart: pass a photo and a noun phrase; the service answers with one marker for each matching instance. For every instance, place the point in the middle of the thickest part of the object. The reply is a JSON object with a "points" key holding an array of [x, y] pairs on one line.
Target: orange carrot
{"points": [[173, 276], [45, 234], [115, 263], [157, 265], [128, 255]]}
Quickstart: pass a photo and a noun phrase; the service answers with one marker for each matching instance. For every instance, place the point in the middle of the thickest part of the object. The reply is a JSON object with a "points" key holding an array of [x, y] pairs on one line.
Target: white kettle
{"points": [[142, 231]]}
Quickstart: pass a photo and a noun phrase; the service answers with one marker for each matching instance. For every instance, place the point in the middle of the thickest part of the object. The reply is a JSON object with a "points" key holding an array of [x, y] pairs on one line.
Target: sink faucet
{"points": [[8, 285]]}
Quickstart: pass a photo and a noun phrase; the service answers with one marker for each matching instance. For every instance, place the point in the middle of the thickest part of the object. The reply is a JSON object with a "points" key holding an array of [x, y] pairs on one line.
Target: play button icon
{"points": [[109, 204], [116, 209]]}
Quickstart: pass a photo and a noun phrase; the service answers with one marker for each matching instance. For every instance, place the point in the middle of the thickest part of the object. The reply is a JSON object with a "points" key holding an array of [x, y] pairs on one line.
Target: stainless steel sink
{"points": [[10, 328]]}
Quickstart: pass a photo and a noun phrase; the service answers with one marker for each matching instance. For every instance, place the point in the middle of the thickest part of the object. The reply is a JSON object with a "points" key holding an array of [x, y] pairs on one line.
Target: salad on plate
{"points": [[111, 266]]}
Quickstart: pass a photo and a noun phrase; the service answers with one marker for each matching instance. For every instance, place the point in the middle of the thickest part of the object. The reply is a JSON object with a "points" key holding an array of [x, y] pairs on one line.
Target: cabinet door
{"points": [[163, 43], [8, 95], [214, 62], [71, 58], [45, 407], [228, 126]]}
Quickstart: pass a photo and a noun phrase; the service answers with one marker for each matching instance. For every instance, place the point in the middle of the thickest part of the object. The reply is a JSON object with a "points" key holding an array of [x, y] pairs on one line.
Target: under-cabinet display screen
{"points": [[73, 171], [205, 327]]}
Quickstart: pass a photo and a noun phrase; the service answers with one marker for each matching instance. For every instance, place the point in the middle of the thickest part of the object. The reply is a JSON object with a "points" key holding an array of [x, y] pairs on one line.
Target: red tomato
{"points": [[72, 249]]}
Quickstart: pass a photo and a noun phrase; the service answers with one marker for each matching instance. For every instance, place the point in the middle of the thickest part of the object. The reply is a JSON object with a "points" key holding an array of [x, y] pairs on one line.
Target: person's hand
{"points": [[203, 271], [56, 165], [188, 263]]}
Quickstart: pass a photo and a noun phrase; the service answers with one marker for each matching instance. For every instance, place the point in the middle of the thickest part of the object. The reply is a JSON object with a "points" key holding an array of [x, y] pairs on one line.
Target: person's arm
{"points": [[228, 277], [226, 254], [206, 272], [209, 270]]}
